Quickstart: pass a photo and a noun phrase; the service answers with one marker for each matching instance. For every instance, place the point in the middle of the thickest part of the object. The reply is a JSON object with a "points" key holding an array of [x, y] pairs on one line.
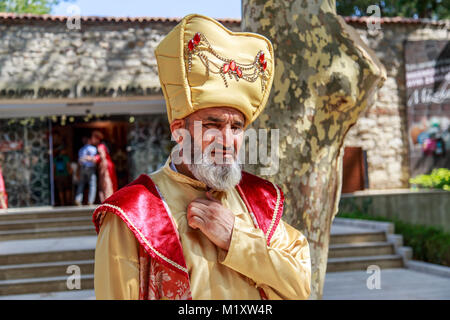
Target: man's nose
{"points": [[226, 137]]}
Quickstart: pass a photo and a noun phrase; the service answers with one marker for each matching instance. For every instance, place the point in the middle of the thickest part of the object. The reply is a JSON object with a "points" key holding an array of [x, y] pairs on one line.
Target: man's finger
{"points": [[195, 211], [200, 205], [196, 222]]}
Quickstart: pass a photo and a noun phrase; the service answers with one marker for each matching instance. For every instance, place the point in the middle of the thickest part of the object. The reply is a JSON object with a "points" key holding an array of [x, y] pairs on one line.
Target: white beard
{"points": [[220, 177]]}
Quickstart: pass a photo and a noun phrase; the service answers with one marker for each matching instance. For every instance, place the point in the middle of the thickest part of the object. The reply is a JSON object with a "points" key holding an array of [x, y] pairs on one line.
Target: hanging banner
{"points": [[427, 67]]}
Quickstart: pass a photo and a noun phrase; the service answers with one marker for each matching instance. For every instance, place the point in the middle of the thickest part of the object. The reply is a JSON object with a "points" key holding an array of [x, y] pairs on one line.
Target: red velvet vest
{"points": [[163, 270]]}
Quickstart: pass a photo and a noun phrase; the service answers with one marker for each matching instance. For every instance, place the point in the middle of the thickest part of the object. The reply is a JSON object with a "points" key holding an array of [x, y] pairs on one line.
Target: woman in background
{"points": [[62, 174], [106, 172], [3, 194]]}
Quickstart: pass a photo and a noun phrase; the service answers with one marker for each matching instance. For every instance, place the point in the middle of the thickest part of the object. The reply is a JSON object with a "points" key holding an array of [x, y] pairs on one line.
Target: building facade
{"points": [[58, 83], [383, 131]]}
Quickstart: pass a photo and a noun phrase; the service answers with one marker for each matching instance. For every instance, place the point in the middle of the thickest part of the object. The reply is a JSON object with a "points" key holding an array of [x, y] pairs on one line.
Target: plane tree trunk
{"points": [[325, 77]]}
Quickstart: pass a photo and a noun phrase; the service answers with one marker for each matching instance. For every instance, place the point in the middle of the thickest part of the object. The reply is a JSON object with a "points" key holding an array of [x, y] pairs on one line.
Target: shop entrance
{"points": [[67, 142], [30, 149]]}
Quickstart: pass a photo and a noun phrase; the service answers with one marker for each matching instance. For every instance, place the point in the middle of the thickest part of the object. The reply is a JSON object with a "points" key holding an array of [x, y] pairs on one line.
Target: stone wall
{"points": [[382, 129], [109, 55], [112, 56], [424, 207]]}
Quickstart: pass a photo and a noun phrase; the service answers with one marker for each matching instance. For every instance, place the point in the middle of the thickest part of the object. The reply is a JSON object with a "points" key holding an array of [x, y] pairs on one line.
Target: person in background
{"points": [[120, 160], [87, 159], [75, 176], [62, 176], [106, 172], [3, 194], [75, 165]]}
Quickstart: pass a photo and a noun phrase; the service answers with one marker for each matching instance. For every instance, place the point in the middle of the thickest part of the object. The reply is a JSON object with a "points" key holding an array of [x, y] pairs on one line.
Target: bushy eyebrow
{"points": [[214, 119]]}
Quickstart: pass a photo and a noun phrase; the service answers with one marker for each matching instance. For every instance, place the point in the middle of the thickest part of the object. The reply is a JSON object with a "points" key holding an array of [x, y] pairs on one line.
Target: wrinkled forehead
{"points": [[218, 114]]}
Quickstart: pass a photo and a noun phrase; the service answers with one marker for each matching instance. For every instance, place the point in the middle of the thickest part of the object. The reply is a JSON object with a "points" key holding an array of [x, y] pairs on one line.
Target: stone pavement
{"points": [[395, 284], [419, 280]]}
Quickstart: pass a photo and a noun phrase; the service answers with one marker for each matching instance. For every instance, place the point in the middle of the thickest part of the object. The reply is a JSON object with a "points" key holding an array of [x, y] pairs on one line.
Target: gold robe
{"points": [[282, 269]]}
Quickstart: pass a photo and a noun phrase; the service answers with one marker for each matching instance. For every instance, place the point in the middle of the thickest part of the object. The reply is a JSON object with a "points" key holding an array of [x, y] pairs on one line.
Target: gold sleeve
{"points": [[282, 269], [116, 270]]}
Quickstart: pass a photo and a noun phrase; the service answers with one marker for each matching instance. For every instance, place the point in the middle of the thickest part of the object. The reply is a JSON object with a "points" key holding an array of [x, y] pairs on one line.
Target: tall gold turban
{"points": [[202, 64]]}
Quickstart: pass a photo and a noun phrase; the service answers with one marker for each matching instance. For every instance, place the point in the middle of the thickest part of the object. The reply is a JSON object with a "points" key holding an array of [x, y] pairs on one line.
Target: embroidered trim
{"points": [[176, 265], [275, 211], [251, 72]]}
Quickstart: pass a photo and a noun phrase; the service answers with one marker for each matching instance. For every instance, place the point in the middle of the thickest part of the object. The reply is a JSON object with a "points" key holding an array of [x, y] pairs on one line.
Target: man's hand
{"points": [[214, 220]]}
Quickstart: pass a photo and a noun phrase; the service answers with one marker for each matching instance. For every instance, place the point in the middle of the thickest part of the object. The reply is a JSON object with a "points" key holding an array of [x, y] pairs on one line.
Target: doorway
{"points": [[69, 139]]}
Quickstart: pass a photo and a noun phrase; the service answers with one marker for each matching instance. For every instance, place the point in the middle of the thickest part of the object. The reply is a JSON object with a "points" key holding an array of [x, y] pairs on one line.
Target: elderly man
{"points": [[200, 228]]}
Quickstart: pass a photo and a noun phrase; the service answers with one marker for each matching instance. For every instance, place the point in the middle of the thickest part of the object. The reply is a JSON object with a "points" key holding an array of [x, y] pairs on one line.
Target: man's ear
{"points": [[177, 127]]}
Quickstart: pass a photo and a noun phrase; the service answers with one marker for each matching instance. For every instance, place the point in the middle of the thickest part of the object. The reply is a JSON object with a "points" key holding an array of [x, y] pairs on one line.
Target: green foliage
{"points": [[29, 6], [438, 179], [429, 244], [432, 9]]}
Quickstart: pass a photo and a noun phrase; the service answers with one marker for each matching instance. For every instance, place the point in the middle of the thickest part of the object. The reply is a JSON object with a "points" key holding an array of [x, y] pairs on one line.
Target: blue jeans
{"points": [[87, 175]]}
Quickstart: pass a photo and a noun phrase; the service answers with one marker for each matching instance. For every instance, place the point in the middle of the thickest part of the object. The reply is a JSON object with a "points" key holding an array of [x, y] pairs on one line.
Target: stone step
{"points": [[46, 245], [39, 266], [360, 249], [42, 257], [48, 233], [369, 236], [42, 285], [45, 223], [46, 212], [45, 269], [362, 263], [62, 295]]}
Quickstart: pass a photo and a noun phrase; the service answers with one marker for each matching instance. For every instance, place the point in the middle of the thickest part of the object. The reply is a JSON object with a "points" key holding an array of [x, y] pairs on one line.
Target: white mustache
{"points": [[219, 153], [216, 176]]}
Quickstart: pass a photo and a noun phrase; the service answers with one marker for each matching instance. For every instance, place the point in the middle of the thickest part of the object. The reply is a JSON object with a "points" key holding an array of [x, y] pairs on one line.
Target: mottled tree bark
{"points": [[325, 77]]}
